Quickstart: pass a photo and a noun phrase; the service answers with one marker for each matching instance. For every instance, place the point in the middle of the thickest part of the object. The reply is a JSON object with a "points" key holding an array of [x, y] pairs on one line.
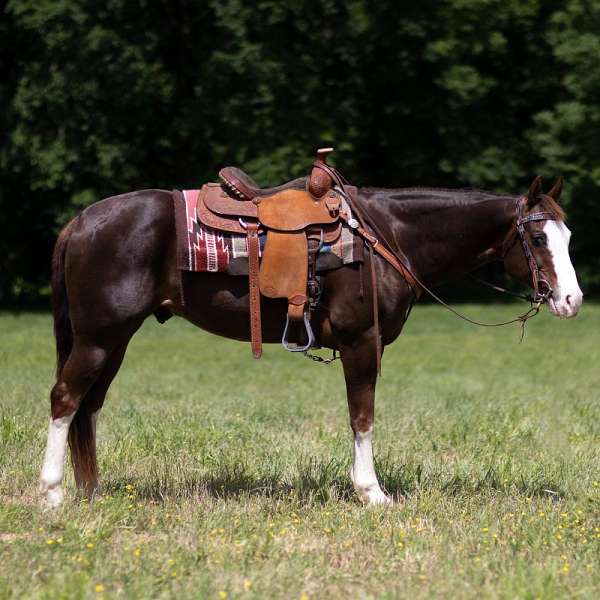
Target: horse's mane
{"points": [[461, 196]]}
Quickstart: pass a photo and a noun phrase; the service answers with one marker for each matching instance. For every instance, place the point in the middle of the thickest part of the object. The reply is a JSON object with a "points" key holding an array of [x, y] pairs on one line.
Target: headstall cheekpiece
{"points": [[537, 278]]}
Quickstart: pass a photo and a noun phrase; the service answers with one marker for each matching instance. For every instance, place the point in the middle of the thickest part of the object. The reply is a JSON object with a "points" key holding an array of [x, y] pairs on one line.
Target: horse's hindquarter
{"points": [[120, 260]]}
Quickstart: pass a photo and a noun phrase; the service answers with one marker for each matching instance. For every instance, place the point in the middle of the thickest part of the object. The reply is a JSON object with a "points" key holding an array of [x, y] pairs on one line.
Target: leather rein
{"points": [[377, 243]]}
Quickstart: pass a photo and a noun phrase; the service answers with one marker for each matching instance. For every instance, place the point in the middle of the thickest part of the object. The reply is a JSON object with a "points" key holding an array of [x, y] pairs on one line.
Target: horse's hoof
{"points": [[374, 496], [54, 497], [380, 499]]}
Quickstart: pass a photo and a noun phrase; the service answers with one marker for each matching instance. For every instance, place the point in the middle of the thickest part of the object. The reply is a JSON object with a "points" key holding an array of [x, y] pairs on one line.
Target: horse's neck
{"points": [[448, 233]]}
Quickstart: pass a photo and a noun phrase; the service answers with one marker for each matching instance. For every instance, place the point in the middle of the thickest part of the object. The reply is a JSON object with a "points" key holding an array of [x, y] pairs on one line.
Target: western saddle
{"points": [[297, 217]]}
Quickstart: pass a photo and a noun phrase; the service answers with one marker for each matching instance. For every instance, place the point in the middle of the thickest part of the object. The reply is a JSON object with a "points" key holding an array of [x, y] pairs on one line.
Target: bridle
{"points": [[542, 290]]}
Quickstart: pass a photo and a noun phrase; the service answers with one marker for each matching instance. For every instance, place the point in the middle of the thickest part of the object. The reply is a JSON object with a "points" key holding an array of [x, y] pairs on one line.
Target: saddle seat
{"points": [[292, 215], [243, 187]]}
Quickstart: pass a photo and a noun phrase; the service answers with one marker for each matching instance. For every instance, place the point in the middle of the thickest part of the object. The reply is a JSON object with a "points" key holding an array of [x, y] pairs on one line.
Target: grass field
{"points": [[228, 478]]}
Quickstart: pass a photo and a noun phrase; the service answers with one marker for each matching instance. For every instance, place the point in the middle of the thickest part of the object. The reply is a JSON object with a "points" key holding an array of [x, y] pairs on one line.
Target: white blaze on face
{"points": [[567, 297]]}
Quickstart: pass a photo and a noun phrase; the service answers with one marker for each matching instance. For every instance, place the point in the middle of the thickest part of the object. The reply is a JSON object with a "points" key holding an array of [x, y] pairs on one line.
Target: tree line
{"points": [[98, 98]]}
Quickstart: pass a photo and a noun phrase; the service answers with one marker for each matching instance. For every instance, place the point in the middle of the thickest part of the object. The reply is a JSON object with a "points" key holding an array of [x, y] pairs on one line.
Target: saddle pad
{"points": [[201, 248]]}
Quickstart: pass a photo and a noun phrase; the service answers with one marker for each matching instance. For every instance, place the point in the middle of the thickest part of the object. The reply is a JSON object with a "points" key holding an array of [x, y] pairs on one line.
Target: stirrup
{"points": [[309, 332]]}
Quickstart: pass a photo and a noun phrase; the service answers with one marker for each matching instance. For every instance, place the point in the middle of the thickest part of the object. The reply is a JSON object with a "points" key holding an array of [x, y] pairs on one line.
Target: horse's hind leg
{"points": [[82, 434], [88, 371], [83, 367]]}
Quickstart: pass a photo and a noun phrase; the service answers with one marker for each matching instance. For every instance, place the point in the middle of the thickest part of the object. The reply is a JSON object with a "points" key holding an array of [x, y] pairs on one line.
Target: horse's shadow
{"points": [[310, 481], [224, 486], [319, 482]]}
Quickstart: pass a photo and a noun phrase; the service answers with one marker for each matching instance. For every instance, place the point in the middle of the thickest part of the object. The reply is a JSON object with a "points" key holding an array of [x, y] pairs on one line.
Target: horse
{"points": [[114, 265]]}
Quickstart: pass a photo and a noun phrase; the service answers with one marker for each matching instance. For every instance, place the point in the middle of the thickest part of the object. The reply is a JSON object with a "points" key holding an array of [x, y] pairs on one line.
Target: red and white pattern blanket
{"points": [[201, 248]]}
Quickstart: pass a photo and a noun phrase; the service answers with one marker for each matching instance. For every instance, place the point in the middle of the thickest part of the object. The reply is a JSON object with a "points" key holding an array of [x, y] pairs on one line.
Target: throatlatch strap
{"points": [[253, 269]]}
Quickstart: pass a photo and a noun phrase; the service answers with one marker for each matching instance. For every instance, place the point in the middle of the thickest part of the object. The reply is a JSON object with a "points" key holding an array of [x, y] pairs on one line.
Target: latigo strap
{"points": [[253, 271]]}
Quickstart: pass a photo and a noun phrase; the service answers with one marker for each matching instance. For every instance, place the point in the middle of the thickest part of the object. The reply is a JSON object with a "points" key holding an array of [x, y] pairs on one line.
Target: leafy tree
{"points": [[101, 98], [567, 134]]}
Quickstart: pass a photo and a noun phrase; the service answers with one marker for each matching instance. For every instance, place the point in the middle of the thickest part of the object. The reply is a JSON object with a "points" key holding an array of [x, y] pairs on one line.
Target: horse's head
{"points": [[537, 250]]}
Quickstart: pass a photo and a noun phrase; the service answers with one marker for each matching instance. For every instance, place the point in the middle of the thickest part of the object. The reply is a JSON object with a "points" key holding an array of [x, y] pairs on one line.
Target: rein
{"points": [[394, 258]]}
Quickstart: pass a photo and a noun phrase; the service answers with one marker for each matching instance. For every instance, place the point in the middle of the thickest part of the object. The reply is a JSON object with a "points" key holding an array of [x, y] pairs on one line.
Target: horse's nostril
{"points": [[568, 299]]}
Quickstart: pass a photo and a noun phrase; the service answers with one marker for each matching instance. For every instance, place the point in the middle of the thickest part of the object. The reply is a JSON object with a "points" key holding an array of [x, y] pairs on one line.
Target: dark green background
{"points": [[98, 98]]}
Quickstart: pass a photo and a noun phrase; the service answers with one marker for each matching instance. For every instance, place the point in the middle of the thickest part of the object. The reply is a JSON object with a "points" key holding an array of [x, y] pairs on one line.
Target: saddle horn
{"points": [[320, 182]]}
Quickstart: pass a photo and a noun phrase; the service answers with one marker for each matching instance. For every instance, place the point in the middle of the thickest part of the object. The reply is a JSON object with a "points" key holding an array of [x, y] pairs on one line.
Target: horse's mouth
{"points": [[563, 309]]}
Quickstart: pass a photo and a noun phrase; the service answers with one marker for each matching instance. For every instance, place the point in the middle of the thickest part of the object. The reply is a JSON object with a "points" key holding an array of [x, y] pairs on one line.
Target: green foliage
{"points": [[567, 133], [98, 99]]}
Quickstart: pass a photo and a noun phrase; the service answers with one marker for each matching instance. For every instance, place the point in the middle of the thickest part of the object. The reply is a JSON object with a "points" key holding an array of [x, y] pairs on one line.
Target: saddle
{"points": [[298, 217]]}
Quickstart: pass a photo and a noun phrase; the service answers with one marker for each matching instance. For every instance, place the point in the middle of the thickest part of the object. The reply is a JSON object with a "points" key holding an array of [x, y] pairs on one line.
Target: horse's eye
{"points": [[539, 240]]}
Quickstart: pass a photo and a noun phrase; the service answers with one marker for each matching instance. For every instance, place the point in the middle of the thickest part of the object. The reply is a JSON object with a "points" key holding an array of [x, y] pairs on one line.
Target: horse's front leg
{"points": [[360, 371]]}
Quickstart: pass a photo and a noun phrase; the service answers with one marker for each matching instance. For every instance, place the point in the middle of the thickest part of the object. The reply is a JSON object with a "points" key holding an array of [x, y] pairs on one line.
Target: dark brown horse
{"points": [[114, 266]]}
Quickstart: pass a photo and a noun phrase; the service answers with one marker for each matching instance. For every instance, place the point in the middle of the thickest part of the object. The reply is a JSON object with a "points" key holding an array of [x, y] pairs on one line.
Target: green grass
{"points": [[228, 477]]}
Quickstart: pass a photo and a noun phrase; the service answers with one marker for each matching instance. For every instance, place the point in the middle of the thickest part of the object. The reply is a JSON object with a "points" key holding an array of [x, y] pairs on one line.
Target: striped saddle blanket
{"points": [[202, 249]]}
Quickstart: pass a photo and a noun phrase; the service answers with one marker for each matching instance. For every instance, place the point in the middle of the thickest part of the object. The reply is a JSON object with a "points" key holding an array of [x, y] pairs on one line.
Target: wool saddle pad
{"points": [[202, 249]]}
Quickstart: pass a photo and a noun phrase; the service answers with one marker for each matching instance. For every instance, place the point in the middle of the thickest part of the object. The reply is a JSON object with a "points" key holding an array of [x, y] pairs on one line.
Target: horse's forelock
{"points": [[554, 208]]}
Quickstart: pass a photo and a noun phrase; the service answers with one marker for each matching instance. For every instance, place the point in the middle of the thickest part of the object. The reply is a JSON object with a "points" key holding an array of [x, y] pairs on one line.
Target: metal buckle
{"points": [[244, 225], [543, 297]]}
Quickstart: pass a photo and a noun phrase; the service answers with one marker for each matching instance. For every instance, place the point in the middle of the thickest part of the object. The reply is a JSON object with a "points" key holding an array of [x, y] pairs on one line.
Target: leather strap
{"points": [[253, 270], [378, 348], [536, 275], [384, 253]]}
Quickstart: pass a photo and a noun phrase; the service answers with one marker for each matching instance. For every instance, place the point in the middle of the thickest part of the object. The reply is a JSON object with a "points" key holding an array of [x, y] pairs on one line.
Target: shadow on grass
{"points": [[452, 481], [312, 481], [318, 482]]}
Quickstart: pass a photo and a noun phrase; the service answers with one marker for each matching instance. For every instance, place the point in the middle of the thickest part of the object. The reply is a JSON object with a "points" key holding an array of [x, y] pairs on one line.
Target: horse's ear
{"points": [[556, 190], [534, 194]]}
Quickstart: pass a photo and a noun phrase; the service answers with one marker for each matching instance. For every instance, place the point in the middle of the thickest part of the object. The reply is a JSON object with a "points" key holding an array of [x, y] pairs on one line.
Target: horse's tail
{"points": [[63, 332], [81, 437]]}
